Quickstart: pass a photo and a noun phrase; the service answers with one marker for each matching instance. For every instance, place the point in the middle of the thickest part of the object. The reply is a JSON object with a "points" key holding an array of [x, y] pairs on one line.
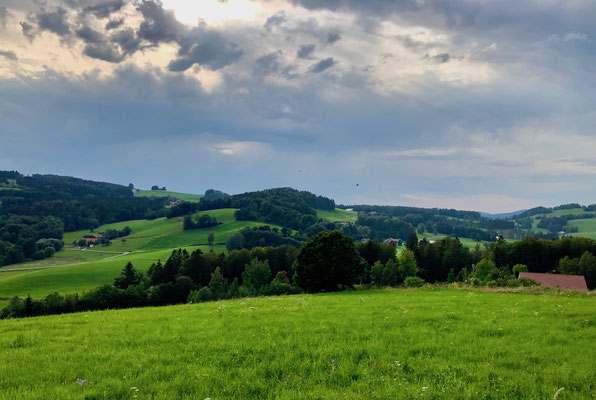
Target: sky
{"points": [[467, 104]]}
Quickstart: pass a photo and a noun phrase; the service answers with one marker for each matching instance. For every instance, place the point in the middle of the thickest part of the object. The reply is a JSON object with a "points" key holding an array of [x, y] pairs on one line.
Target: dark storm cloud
{"points": [[114, 23], [103, 51], [127, 40], [205, 47], [275, 20], [54, 21], [104, 8], [159, 25], [305, 51], [90, 35], [323, 65], [9, 55]]}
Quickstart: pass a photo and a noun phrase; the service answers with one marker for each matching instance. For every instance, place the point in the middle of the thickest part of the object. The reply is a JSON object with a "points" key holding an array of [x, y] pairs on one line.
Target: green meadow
{"points": [[166, 193], [383, 344], [337, 215], [587, 227], [79, 277]]}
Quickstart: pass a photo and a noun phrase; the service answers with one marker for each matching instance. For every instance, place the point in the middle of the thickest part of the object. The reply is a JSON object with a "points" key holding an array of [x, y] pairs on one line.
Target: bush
{"points": [[492, 284], [517, 268], [525, 282], [200, 296], [413, 282]]}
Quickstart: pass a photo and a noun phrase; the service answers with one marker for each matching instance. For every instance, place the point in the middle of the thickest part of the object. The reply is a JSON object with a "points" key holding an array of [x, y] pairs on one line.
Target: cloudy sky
{"points": [[470, 104]]}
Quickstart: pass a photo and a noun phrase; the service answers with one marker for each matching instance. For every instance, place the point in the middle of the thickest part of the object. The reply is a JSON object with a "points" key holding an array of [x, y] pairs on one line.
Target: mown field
{"points": [[384, 344], [587, 227], [167, 193]]}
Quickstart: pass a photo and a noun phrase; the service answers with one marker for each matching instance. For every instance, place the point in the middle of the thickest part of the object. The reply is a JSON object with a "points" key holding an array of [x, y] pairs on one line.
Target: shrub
{"points": [[527, 282], [519, 268], [413, 282], [200, 296]]}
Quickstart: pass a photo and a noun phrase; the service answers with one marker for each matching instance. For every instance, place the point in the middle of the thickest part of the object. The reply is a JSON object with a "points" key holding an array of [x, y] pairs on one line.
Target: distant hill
{"points": [[502, 215]]}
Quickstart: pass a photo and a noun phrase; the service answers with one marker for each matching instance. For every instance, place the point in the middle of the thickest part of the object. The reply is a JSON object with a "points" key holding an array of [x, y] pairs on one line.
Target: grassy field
{"points": [[337, 215], [78, 277], [166, 193], [195, 237], [587, 227], [391, 344]]}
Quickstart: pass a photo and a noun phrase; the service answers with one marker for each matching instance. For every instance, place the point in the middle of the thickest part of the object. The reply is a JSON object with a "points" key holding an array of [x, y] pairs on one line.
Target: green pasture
{"points": [[79, 277], [384, 344], [337, 215], [166, 193], [572, 211], [587, 227]]}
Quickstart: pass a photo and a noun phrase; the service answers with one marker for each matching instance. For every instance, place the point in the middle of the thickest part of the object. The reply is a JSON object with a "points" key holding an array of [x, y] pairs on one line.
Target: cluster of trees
{"points": [[558, 223], [203, 221], [155, 187], [25, 237], [262, 236], [284, 206], [449, 260], [212, 194], [384, 227], [80, 204]]}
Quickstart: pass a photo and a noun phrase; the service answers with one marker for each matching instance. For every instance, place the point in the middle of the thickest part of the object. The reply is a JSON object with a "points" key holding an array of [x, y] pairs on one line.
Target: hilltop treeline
{"points": [[284, 206], [78, 203]]}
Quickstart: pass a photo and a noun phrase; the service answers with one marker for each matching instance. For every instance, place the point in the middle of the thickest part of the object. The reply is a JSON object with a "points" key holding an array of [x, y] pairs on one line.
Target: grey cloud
{"points": [[305, 51], [333, 37], [205, 47], [90, 35], [54, 21], [104, 51], [104, 8], [276, 19], [269, 63], [159, 25], [28, 30], [438, 58], [127, 40], [322, 65], [3, 16], [114, 23], [9, 55]]}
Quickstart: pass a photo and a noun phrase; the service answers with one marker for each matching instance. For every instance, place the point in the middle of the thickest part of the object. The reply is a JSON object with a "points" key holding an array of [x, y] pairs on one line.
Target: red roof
{"points": [[576, 282]]}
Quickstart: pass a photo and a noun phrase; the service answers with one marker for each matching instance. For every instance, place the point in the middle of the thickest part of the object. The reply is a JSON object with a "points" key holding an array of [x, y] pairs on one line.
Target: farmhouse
{"points": [[92, 238], [576, 282], [392, 241]]}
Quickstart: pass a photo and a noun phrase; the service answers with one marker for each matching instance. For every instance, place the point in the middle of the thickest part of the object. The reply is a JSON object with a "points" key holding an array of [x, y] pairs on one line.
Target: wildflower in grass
{"points": [[82, 382], [424, 387], [136, 389]]}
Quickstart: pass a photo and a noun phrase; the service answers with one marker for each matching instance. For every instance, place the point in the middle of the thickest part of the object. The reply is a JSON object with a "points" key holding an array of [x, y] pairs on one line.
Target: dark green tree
{"points": [[129, 277], [328, 262]]}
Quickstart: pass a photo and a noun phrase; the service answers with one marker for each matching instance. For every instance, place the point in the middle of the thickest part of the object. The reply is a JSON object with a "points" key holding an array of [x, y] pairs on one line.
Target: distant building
{"points": [[576, 282], [392, 241], [365, 240], [371, 213]]}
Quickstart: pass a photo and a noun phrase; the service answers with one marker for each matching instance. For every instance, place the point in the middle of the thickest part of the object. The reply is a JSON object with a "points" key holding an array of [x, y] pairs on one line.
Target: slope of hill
{"points": [[166, 193], [434, 344]]}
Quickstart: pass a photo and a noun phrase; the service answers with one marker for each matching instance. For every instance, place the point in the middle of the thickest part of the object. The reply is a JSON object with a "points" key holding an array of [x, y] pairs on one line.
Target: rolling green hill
{"points": [[78, 277], [337, 215], [390, 344], [166, 193]]}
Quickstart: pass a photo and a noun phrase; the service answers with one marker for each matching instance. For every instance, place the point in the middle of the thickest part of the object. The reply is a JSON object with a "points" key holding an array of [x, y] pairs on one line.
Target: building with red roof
{"points": [[576, 282]]}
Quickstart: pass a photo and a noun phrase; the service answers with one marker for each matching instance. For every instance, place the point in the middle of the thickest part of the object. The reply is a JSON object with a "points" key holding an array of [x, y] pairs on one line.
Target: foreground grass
{"points": [[431, 344]]}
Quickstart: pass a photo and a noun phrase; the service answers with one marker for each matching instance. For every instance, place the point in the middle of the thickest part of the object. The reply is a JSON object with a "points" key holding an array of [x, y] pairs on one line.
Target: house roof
{"points": [[576, 282]]}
